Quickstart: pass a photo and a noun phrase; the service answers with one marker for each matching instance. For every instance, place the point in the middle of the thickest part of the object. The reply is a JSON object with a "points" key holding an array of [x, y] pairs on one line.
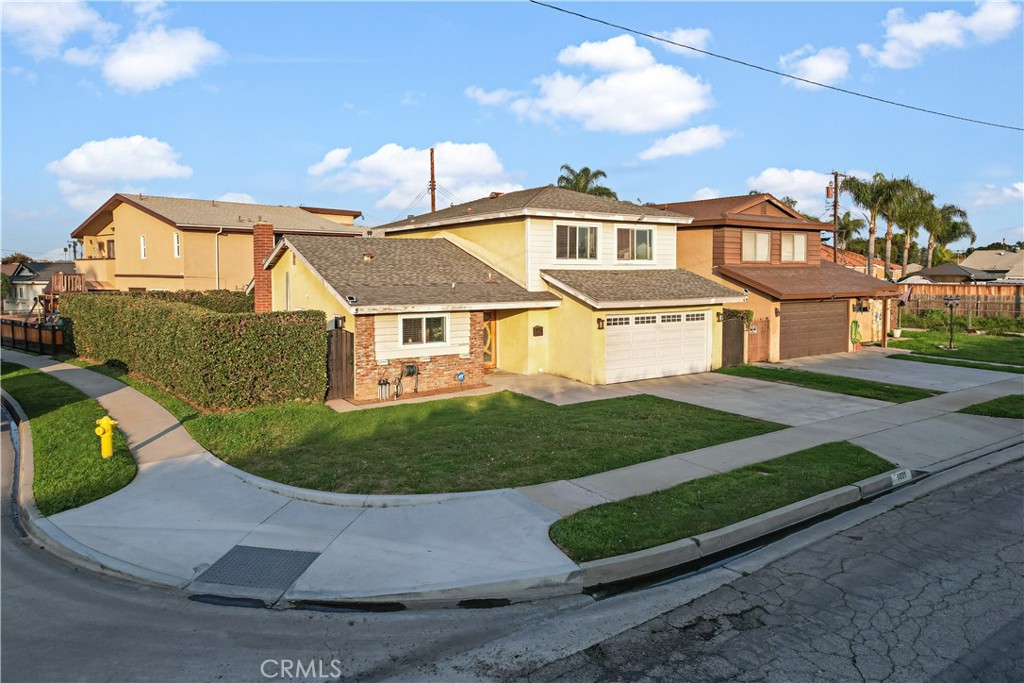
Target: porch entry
{"points": [[490, 339]]}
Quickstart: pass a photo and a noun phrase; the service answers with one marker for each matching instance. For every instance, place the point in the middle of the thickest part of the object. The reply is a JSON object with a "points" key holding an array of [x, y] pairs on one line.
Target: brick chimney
{"points": [[262, 245]]}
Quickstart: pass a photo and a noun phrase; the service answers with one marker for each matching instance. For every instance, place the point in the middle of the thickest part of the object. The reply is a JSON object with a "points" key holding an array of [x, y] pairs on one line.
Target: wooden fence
{"points": [[37, 337], [985, 301]]}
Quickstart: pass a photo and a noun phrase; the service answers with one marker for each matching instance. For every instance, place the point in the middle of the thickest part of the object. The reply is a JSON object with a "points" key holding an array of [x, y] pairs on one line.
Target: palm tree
{"points": [[945, 226], [585, 181], [849, 227], [907, 209], [873, 196]]}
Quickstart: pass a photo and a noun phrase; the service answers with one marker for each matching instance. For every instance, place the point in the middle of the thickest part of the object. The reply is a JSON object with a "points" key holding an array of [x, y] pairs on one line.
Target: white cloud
{"points": [[687, 142], [490, 97], [827, 66], [620, 53], [150, 12], [637, 95], [469, 171], [706, 193], [906, 41], [334, 159], [83, 56], [85, 171], [237, 197], [806, 187], [694, 37], [152, 58], [30, 77], [993, 194], [42, 28]]}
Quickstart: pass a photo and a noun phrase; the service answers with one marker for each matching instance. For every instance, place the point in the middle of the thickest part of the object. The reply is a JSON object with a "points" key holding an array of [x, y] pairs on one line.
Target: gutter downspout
{"points": [[216, 258]]}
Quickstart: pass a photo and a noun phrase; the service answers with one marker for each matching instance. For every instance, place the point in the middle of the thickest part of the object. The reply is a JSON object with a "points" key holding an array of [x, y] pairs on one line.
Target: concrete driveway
{"points": [[875, 364], [781, 403]]}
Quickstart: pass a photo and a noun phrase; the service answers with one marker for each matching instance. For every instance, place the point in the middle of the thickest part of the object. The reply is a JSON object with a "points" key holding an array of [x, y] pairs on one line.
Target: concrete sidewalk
{"points": [[191, 521]]}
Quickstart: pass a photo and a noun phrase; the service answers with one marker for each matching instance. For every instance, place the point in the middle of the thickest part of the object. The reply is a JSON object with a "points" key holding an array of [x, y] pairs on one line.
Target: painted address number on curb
{"points": [[901, 477]]}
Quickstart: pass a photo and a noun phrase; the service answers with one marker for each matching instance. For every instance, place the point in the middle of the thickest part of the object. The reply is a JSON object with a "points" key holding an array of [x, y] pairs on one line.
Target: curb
{"points": [[642, 563], [52, 538]]}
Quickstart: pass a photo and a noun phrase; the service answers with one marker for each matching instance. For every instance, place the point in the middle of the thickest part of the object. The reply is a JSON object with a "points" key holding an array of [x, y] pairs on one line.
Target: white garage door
{"points": [[656, 345]]}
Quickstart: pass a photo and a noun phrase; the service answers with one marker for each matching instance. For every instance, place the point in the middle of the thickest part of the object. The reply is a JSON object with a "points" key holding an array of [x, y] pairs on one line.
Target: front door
{"points": [[490, 339]]}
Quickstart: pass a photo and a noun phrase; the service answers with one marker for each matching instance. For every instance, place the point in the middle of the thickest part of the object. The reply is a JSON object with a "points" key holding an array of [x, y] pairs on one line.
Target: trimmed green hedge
{"points": [[213, 360], [220, 300]]}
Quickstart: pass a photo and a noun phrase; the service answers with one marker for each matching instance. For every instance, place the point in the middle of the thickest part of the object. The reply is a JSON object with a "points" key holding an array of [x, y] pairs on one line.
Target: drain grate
{"points": [[253, 567]]}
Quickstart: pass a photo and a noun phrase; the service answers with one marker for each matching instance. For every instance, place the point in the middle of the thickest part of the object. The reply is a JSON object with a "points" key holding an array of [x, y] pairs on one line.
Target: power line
{"points": [[773, 71]]}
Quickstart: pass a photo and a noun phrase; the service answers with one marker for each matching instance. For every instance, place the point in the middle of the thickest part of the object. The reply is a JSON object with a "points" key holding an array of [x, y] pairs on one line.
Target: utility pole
{"points": [[433, 184], [832, 192]]}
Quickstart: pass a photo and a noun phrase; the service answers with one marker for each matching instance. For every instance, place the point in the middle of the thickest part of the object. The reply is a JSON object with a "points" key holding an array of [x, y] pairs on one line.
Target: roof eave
{"points": [[642, 303], [540, 213], [377, 309]]}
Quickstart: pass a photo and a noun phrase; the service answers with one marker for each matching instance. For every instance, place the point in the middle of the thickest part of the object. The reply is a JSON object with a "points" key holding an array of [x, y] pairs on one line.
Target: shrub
{"points": [[214, 360], [220, 300], [938, 319]]}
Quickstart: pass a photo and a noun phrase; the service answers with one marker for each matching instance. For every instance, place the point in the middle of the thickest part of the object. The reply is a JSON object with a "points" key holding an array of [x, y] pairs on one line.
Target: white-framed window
{"points": [[576, 242], [634, 244], [422, 330], [756, 245], [672, 318], [617, 320], [694, 317], [142, 247], [645, 320], [794, 246], [177, 245], [287, 291]]}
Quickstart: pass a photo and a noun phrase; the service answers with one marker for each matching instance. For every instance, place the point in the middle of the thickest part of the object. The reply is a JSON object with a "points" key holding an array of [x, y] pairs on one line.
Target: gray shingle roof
{"points": [[43, 271], [218, 214], [636, 287], [408, 272], [538, 199]]}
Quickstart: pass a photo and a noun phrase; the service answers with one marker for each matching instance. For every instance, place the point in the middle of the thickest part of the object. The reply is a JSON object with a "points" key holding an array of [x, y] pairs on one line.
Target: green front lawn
{"points": [[1007, 406], [983, 347], [713, 502], [850, 386], [958, 363], [69, 471], [460, 444]]}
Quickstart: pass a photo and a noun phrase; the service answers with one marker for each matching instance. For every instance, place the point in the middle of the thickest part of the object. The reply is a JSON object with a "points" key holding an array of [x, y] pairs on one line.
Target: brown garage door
{"points": [[813, 328]]}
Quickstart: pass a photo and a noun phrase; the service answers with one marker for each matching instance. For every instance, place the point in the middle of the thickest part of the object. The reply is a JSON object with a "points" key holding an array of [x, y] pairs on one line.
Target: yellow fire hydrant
{"points": [[105, 430]]}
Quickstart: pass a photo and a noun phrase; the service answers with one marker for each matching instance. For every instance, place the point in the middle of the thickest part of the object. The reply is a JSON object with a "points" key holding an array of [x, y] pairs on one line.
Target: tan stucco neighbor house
{"points": [[543, 280], [802, 304], [141, 242]]}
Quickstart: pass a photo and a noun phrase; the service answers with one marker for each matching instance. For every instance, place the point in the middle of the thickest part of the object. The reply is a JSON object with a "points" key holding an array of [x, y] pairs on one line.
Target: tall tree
{"points": [[849, 228], [16, 257], [873, 196], [585, 180], [945, 225], [907, 210]]}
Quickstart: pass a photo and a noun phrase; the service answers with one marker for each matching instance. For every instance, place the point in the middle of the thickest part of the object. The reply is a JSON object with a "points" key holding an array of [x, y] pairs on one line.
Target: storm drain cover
{"points": [[246, 565]]}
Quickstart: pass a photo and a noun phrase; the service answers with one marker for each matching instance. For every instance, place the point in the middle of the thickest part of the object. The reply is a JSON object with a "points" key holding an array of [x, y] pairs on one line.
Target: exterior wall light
{"points": [[600, 323]]}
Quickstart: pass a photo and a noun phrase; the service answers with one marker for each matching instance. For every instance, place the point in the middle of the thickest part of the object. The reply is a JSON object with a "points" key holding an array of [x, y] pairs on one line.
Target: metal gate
{"points": [[759, 339], [732, 342], [341, 377]]}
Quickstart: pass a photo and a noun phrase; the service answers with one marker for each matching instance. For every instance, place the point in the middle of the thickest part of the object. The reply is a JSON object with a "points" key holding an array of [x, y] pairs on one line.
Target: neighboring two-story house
{"points": [[539, 280], [29, 281], [802, 304], [141, 242]]}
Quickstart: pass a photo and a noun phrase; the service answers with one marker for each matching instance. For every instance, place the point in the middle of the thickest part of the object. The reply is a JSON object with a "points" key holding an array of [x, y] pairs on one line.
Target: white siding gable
{"points": [[541, 249]]}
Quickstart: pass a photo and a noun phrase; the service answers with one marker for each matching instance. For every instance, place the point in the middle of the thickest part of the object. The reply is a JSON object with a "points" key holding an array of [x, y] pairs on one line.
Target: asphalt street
{"points": [[932, 591]]}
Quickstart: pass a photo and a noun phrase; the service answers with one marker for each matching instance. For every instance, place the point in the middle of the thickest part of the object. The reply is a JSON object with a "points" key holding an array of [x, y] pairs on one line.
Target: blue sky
{"points": [[336, 104]]}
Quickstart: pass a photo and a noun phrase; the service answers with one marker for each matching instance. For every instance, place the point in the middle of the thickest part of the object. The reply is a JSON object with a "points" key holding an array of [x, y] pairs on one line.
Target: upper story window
{"points": [[576, 242], [634, 244], [110, 249], [142, 247], [424, 330], [794, 246], [756, 245], [177, 245]]}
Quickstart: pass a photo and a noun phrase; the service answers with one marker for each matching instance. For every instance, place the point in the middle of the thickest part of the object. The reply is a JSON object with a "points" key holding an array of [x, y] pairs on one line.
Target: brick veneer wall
{"points": [[262, 245], [437, 374]]}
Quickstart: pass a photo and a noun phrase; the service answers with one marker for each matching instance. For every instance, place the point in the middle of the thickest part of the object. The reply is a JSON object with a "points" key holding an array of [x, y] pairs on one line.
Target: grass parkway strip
{"points": [[471, 443], [69, 471], [958, 363], [711, 503], [1006, 406], [993, 348], [850, 386]]}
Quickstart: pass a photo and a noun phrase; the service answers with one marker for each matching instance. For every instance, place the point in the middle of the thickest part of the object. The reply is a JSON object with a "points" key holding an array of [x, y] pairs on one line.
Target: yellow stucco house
{"points": [[543, 280], [140, 242]]}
